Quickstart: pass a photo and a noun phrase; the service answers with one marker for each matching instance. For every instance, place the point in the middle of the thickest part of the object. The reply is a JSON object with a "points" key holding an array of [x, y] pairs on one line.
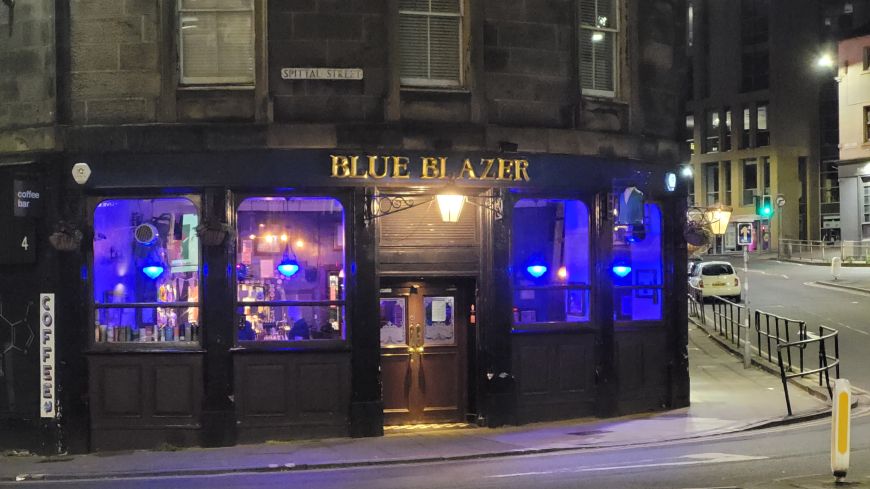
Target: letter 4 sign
{"points": [[17, 241], [744, 233]]}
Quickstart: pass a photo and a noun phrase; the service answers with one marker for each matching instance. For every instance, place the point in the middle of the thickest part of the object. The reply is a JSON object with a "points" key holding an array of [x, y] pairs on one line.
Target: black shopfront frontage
{"points": [[231, 297]]}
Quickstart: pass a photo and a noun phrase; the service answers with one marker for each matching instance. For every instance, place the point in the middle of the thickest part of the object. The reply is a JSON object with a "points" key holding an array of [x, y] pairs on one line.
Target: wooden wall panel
{"points": [[286, 395], [554, 375], [642, 359], [144, 400]]}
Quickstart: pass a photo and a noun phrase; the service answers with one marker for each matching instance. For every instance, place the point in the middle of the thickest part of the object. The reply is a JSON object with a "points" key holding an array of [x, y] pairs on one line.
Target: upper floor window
{"points": [[146, 271], [867, 123], [430, 43], [866, 58], [290, 268], [216, 39], [551, 270], [690, 133], [726, 138], [711, 131], [762, 133], [599, 28]]}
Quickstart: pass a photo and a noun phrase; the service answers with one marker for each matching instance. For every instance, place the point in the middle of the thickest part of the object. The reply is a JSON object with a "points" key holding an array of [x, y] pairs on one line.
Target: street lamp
{"points": [[718, 218]]}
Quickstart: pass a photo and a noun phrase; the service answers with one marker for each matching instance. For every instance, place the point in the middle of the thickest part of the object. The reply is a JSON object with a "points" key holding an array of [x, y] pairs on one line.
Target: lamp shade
{"points": [[718, 218], [450, 206]]}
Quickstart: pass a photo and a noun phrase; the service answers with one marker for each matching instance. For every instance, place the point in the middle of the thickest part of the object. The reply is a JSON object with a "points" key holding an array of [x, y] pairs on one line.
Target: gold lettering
{"points": [[400, 167], [443, 167], [340, 167], [354, 162], [522, 172], [469, 168], [373, 167], [485, 174], [430, 168], [504, 169]]}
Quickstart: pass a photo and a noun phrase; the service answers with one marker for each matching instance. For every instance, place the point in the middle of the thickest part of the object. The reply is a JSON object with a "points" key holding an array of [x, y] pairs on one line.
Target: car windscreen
{"points": [[717, 269]]}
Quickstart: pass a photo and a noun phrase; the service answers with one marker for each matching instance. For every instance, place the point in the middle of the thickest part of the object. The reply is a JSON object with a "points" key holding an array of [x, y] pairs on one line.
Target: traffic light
{"points": [[763, 206]]}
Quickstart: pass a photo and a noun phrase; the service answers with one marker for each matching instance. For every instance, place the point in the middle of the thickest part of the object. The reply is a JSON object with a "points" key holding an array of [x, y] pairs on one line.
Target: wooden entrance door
{"points": [[423, 364]]}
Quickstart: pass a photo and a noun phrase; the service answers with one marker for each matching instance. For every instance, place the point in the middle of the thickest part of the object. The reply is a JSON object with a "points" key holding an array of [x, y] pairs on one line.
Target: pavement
{"points": [[725, 398]]}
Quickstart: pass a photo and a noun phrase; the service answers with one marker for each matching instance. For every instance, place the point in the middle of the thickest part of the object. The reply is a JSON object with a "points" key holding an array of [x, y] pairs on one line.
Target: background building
{"points": [[205, 187], [853, 77], [752, 121]]}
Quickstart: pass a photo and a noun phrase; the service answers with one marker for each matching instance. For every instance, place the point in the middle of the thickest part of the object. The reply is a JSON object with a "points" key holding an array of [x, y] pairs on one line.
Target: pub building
{"points": [[361, 290], [234, 221]]}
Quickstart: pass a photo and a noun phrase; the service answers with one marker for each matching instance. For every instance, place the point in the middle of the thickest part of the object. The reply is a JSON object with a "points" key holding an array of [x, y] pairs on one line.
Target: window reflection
{"points": [[290, 269], [550, 261]]}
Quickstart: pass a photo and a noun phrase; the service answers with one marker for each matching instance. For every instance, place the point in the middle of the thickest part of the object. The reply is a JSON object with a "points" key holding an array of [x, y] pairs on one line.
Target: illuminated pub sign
{"points": [[429, 168]]}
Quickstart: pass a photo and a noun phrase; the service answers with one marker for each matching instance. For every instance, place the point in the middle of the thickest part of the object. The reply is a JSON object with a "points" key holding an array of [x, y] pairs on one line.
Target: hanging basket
{"points": [[66, 240], [213, 233]]}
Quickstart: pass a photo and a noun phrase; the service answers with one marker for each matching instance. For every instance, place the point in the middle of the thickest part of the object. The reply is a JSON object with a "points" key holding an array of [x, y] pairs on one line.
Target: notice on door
{"points": [[439, 311]]}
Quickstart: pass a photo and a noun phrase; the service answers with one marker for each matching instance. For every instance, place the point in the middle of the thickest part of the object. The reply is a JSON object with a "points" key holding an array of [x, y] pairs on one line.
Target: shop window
{"points": [[637, 272], [290, 268], [550, 262], [216, 41], [599, 28], [146, 271], [430, 43]]}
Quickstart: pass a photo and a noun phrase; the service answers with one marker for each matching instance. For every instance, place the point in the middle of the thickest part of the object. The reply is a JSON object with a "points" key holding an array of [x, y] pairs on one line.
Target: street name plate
{"points": [[322, 73]]}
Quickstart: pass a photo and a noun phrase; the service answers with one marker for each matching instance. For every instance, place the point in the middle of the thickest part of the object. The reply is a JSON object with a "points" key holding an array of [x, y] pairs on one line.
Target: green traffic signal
{"points": [[763, 207], [766, 211]]}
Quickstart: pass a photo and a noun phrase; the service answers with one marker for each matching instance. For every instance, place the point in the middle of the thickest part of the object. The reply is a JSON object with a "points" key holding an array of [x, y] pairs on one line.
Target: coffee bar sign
{"points": [[26, 198], [429, 168], [322, 73]]}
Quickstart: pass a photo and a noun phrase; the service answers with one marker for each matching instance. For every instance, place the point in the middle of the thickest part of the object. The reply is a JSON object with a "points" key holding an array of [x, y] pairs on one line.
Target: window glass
{"points": [[762, 135], [430, 42], [711, 182], [550, 261], [726, 179], [146, 271], [711, 128], [216, 41], [290, 267], [598, 31], [750, 181], [637, 272], [717, 269]]}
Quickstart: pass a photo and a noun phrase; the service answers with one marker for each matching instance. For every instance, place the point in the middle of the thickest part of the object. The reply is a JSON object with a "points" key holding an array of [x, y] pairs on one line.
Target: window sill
{"points": [[215, 88], [125, 348], [456, 90], [292, 346], [555, 328]]}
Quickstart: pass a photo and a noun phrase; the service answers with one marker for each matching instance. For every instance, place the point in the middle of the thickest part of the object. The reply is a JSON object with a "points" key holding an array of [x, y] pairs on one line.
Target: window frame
{"points": [[866, 125], [581, 27], [241, 82], [346, 304], [711, 175], [743, 165], [410, 83], [556, 326], [92, 306]]}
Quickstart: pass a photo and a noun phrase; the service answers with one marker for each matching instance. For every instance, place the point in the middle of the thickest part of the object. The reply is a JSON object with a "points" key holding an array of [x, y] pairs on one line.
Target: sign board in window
{"points": [[17, 241], [27, 195]]}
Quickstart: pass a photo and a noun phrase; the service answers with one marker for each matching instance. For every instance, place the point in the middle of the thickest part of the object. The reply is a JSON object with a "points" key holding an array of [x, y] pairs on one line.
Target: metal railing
{"points": [[823, 251], [826, 361], [728, 319], [696, 304], [779, 329]]}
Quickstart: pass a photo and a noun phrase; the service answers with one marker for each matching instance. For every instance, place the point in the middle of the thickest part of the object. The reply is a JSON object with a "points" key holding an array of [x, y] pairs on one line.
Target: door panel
{"points": [[423, 335]]}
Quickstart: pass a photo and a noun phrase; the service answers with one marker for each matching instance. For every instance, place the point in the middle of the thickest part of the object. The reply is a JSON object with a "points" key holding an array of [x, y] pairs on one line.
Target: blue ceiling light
{"points": [[621, 270], [536, 270], [152, 271], [288, 266]]}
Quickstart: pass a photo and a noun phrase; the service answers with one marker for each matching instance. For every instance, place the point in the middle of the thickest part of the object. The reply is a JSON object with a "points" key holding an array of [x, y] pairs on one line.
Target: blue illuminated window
{"points": [[290, 269], [550, 262], [637, 272], [146, 271]]}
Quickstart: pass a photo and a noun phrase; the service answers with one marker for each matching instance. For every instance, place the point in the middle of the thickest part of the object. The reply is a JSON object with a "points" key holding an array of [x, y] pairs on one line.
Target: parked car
{"points": [[715, 278]]}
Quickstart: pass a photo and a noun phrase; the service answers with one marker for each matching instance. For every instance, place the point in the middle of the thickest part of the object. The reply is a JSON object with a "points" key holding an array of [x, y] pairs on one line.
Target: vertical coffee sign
{"points": [[48, 403]]}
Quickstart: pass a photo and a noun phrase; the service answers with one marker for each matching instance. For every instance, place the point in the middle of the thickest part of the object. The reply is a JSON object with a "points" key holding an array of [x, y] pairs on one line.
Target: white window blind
{"points": [[430, 42], [216, 41], [598, 35]]}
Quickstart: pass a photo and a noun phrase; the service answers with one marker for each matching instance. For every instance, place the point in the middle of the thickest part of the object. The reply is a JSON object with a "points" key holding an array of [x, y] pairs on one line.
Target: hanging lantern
{"points": [[450, 206], [288, 266], [536, 270]]}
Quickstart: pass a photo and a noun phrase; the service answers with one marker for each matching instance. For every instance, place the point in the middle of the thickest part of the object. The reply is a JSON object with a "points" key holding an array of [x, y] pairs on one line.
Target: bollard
{"points": [[836, 264], [841, 412]]}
